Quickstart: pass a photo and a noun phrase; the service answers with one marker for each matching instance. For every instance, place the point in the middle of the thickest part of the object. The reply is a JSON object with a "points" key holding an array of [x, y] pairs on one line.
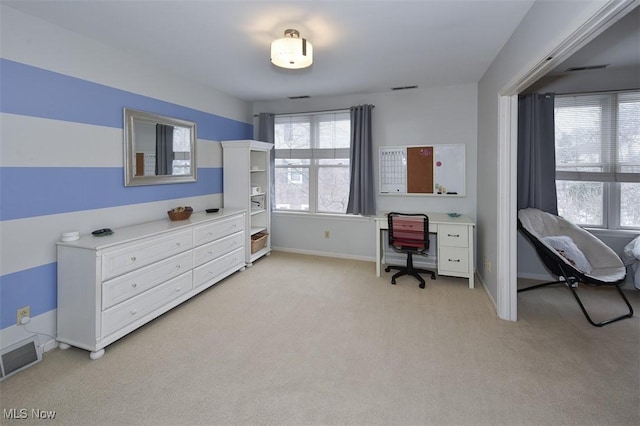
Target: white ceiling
{"points": [[359, 46], [618, 47]]}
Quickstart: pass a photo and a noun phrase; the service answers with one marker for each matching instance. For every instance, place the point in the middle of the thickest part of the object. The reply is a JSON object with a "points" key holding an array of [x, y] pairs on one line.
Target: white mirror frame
{"points": [[132, 116]]}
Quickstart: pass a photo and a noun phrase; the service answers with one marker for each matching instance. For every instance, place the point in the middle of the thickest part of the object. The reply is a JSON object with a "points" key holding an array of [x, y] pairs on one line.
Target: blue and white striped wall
{"points": [[61, 169]]}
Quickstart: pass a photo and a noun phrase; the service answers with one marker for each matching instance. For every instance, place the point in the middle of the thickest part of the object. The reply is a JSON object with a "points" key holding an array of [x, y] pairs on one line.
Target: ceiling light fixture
{"points": [[291, 51]]}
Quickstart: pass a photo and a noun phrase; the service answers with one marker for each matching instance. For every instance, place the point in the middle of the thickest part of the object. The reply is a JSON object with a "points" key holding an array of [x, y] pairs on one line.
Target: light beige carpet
{"points": [[303, 340]]}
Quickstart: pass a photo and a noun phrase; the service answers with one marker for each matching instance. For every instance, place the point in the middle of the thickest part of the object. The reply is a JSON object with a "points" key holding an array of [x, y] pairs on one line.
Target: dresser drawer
{"points": [[212, 231], [125, 313], [144, 252], [453, 235], [217, 267], [211, 251], [126, 286], [453, 259]]}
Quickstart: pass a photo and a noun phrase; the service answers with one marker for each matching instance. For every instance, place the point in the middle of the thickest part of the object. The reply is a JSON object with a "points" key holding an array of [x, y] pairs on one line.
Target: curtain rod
{"points": [[313, 112]]}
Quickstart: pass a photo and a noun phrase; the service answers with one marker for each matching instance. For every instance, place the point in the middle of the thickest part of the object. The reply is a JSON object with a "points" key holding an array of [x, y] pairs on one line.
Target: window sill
{"points": [[321, 216], [620, 233]]}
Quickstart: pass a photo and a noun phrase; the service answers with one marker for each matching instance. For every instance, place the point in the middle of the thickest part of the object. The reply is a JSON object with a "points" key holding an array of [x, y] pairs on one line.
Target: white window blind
{"points": [[598, 137], [319, 135], [312, 161], [628, 137]]}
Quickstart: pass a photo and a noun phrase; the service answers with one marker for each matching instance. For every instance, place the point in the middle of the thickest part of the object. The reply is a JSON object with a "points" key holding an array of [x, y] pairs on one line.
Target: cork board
{"points": [[420, 170]]}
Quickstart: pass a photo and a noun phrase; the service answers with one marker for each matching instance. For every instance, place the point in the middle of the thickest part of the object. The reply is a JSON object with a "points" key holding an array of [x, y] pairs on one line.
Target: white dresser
{"points": [[109, 286]]}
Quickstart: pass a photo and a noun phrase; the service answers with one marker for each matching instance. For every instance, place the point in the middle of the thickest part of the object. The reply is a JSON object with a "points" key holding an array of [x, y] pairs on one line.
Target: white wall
{"points": [[628, 78], [440, 115], [65, 148], [545, 27], [33, 41]]}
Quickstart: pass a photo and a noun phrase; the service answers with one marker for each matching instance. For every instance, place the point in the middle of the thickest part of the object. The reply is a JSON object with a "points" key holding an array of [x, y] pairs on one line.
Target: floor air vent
{"points": [[18, 357]]}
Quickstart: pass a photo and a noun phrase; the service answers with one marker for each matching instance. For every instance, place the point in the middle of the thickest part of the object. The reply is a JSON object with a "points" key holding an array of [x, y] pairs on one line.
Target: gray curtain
{"points": [[266, 133], [361, 189], [536, 153], [164, 149]]}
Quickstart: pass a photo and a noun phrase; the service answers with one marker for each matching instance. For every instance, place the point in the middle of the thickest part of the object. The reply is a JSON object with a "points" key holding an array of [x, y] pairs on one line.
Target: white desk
{"points": [[455, 255]]}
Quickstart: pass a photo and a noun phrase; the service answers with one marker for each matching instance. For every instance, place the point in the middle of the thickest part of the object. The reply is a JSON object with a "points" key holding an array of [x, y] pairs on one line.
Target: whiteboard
{"points": [[448, 170], [393, 170]]}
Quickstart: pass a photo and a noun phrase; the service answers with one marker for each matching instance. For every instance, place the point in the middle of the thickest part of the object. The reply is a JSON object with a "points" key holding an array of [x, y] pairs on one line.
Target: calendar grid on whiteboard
{"points": [[393, 170]]}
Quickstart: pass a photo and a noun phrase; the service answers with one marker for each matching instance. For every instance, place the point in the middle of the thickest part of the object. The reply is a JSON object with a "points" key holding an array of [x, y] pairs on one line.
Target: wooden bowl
{"points": [[180, 215]]}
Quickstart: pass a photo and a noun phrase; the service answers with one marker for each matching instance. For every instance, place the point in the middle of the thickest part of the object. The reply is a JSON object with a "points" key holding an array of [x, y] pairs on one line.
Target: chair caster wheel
{"points": [[393, 282], [433, 277], [421, 285], [387, 269]]}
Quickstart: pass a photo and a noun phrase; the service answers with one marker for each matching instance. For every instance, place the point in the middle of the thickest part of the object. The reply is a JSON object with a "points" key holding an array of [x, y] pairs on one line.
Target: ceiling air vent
{"points": [[404, 87], [587, 68], [299, 97]]}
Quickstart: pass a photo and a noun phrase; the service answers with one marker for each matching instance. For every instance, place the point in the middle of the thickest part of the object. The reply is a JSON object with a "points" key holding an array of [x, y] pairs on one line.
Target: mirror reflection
{"points": [[158, 149]]}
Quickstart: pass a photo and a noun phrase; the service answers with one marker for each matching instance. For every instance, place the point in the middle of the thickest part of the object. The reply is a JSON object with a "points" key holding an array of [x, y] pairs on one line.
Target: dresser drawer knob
{"points": [[177, 244], [177, 266], [134, 285], [453, 235], [454, 260], [178, 289], [133, 258], [133, 312]]}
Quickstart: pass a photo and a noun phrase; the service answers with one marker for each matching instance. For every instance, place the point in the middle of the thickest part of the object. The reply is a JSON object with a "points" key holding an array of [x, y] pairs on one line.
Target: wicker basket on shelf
{"points": [[258, 241], [179, 213]]}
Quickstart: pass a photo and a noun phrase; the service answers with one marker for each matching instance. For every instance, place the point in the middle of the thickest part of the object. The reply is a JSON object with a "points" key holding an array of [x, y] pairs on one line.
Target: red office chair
{"points": [[409, 233]]}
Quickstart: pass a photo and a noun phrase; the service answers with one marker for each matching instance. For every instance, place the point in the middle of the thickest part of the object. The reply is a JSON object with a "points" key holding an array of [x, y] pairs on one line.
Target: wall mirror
{"points": [[158, 149]]}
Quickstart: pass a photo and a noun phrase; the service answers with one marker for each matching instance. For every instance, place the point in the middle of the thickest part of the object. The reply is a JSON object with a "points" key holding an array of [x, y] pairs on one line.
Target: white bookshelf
{"points": [[246, 176]]}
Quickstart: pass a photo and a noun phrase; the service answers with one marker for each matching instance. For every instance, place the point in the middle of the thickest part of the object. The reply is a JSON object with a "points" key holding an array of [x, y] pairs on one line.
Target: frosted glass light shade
{"points": [[291, 51]]}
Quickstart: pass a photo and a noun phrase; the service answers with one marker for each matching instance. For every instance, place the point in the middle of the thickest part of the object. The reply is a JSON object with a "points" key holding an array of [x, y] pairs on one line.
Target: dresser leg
{"points": [[96, 354], [64, 346]]}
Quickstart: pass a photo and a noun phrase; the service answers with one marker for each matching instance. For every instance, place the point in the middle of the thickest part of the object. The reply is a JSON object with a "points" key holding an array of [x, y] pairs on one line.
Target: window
{"points": [[597, 138], [181, 151], [312, 162]]}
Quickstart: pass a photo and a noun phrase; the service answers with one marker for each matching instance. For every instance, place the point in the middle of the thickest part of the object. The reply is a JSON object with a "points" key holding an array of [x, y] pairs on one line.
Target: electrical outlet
{"points": [[487, 265], [326, 234], [21, 313]]}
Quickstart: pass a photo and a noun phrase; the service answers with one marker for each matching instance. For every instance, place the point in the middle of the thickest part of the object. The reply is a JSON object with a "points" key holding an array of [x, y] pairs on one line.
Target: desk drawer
{"points": [[212, 231], [453, 235], [453, 259], [144, 253], [136, 308], [126, 286]]}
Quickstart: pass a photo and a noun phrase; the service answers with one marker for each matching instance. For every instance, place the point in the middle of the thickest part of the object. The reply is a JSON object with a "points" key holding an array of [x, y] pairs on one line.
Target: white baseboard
{"points": [[484, 286], [324, 254], [534, 276]]}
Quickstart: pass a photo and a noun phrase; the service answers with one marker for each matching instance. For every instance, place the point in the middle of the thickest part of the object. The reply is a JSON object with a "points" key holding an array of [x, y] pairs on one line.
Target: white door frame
{"points": [[507, 271]]}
